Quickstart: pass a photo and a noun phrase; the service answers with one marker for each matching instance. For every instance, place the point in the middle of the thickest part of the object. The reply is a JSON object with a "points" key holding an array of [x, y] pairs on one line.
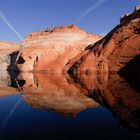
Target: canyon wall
{"points": [[113, 52]]}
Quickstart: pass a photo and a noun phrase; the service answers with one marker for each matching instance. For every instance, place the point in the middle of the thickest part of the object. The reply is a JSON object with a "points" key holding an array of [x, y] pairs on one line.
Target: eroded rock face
{"points": [[52, 49], [6, 49], [114, 51]]}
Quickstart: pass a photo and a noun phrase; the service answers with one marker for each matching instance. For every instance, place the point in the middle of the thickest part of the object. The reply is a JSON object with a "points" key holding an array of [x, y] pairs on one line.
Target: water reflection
{"points": [[66, 96], [5, 82], [113, 92], [55, 92]]}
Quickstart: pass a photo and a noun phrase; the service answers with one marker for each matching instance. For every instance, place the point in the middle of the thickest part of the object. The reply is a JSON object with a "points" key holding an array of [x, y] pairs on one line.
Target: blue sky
{"points": [[33, 15]]}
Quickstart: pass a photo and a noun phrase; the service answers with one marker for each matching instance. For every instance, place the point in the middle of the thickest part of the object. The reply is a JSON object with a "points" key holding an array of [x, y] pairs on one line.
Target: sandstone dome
{"points": [[52, 49]]}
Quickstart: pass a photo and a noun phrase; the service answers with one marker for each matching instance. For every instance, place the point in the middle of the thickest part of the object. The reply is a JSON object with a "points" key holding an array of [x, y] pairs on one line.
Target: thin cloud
{"points": [[4, 19], [90, 9]]}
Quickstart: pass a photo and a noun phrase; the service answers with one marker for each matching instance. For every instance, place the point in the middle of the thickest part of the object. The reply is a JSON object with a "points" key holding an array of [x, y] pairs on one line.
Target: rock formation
{"points": [[114, 51], [6, 50], [52, 49], [106, 72]]}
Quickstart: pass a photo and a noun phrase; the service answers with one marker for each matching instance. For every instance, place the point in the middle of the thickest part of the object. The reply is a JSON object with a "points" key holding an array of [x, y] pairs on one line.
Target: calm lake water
{"points": [[55, 106]]}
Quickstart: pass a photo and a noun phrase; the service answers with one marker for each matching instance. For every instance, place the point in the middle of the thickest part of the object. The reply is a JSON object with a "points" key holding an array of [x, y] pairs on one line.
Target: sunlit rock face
{"points": [[5, 84], [52, 49], [55, 92], [114, 51], [6, 50]]}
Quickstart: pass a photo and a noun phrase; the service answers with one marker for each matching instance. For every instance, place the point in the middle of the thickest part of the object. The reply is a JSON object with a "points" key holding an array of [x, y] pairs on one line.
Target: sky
{"points": [[94, 16]]}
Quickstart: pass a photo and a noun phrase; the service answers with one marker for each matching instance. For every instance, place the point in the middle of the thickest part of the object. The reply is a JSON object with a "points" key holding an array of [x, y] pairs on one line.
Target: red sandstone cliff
{"points": [[114, 51], [52, 49]]}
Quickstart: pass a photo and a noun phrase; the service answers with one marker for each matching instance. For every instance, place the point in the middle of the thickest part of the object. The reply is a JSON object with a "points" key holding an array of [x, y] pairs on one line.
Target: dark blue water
{"points": [[54, 107], [25, 121]]}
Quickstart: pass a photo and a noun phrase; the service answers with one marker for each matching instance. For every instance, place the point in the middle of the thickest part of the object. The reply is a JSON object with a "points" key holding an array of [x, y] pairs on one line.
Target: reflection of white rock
{"points": [[4, 61], [4, 78], [5, 82]]}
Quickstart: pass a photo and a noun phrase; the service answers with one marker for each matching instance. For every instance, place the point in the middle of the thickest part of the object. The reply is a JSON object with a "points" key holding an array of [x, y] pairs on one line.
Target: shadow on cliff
{"points": [[14, 71], [131, 73]]}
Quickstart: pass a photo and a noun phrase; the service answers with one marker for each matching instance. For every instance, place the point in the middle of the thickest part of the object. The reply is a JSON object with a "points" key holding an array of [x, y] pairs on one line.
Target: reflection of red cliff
{"points": [[113, 92], [55, 92], [114, 51], [52, 49]]}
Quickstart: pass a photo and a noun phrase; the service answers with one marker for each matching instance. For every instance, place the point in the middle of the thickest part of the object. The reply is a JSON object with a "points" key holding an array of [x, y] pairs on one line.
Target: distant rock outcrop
{"points": [[6, 50], [52, 49], [114, 51]]}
